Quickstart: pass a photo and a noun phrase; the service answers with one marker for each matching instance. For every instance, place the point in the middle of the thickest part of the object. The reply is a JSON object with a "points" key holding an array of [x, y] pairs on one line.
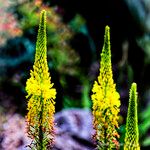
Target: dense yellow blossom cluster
{"points": [[106, 101], [41, 94]]}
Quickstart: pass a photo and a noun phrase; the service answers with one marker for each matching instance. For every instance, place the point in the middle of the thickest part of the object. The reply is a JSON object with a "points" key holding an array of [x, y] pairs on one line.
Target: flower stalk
{"points": [[106, 101], [41, 95], [132, 133]]}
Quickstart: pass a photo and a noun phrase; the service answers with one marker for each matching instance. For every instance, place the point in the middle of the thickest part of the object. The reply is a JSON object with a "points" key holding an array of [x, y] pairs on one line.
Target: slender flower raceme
{"points": [[41, 95], [132, 133], [106, 101]]}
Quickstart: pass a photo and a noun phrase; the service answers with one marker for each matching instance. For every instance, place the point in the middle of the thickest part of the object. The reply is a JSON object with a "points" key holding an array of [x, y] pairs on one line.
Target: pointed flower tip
{"points": [[134, 86], [107, 28], [106, 45], [107, 32], [43, 11], [133, 92], [43, 15], [43, 18]]}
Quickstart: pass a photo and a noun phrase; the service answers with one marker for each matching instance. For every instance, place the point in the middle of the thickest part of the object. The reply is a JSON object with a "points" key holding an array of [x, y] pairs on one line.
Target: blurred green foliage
{"points": [[63, 59], [144, 127]]}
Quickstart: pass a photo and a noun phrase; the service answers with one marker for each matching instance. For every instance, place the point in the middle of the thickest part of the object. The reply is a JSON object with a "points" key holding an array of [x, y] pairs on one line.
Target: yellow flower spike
{"points": [[106, 101], [132, 133], [41, 95]]}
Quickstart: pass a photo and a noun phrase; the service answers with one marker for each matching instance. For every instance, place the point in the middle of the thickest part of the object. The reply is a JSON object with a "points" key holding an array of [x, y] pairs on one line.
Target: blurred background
{"points": [[75, 32]]}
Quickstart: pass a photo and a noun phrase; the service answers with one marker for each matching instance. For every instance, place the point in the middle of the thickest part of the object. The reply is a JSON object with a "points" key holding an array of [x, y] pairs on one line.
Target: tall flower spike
{"points": [[41, 95], [132, 133], [106, 101]]}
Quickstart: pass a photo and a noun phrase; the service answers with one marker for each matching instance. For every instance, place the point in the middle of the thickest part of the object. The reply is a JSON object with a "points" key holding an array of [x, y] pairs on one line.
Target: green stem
{"points": [[41, 136]]}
